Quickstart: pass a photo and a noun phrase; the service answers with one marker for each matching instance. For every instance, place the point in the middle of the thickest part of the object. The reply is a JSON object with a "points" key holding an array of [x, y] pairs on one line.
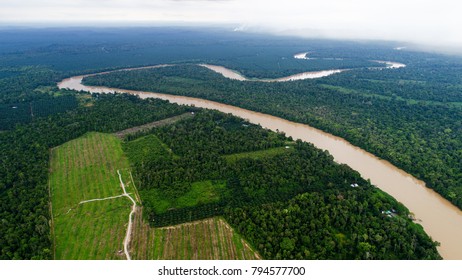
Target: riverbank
{"points": [[440, 218]]}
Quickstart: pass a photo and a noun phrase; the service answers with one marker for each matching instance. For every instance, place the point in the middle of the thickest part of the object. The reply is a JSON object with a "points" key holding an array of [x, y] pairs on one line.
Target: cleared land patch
{"points": [[202, 192], [209, 239], [147, 148], [123, 133], [86, 169], [91, 214], [260, 154]]}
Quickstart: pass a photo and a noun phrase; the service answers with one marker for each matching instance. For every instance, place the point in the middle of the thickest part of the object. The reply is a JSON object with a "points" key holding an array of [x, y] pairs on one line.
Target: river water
{"points": [[440, 219], [231, 74]]}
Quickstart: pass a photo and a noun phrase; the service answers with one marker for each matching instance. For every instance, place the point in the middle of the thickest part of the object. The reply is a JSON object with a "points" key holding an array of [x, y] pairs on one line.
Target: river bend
{"points": [[440, 219]]}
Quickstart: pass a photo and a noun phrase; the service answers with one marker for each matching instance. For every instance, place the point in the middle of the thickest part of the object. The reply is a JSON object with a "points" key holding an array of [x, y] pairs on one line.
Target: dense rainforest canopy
{"points": [[289, 199], [410, 116], [392, 118]]}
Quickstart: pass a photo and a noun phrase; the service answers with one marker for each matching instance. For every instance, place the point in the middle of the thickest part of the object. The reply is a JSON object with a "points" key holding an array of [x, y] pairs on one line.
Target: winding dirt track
{"points": [[100, 199], [130, 218]]}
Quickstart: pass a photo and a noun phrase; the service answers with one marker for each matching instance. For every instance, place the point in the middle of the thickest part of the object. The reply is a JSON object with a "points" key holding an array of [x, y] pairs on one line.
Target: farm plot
{"points": [[209, 239], [82, 173]]}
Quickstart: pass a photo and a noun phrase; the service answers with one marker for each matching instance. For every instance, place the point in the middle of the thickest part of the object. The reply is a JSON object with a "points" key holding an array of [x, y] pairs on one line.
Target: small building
{"points": [[388, 213]]}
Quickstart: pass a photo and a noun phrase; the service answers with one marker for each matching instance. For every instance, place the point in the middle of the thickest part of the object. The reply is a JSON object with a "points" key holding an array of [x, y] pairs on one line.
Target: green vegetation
{"points": [[27, 84], [134, 132], [250, 182], [81, 170], [197, 193], [260, 154], [415, 126], [264, 194], [24, 156], [219, 165], [422, 81], [86, 168], [147, 149], [336, 224], [24, 112], [210, 239], [201, 193], [85, 50], [30, 94]]}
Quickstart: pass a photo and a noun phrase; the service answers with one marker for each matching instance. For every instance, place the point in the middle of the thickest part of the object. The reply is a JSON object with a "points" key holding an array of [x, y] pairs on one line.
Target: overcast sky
{"points": [[419, 21]]}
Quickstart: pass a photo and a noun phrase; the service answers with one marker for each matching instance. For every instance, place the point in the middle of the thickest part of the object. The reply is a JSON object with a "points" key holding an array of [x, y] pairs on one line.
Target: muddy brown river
{"points": [[440, 219]]}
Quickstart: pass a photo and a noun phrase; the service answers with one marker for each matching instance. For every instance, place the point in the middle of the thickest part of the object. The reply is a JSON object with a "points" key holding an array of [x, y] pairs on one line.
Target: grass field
{"points": [[260, 154], [85, 169], [202, 192], [210, 239], [147, 147]]}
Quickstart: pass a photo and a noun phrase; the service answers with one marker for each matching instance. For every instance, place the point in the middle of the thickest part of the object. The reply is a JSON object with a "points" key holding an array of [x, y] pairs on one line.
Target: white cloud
{"points": [[435, 22]]}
